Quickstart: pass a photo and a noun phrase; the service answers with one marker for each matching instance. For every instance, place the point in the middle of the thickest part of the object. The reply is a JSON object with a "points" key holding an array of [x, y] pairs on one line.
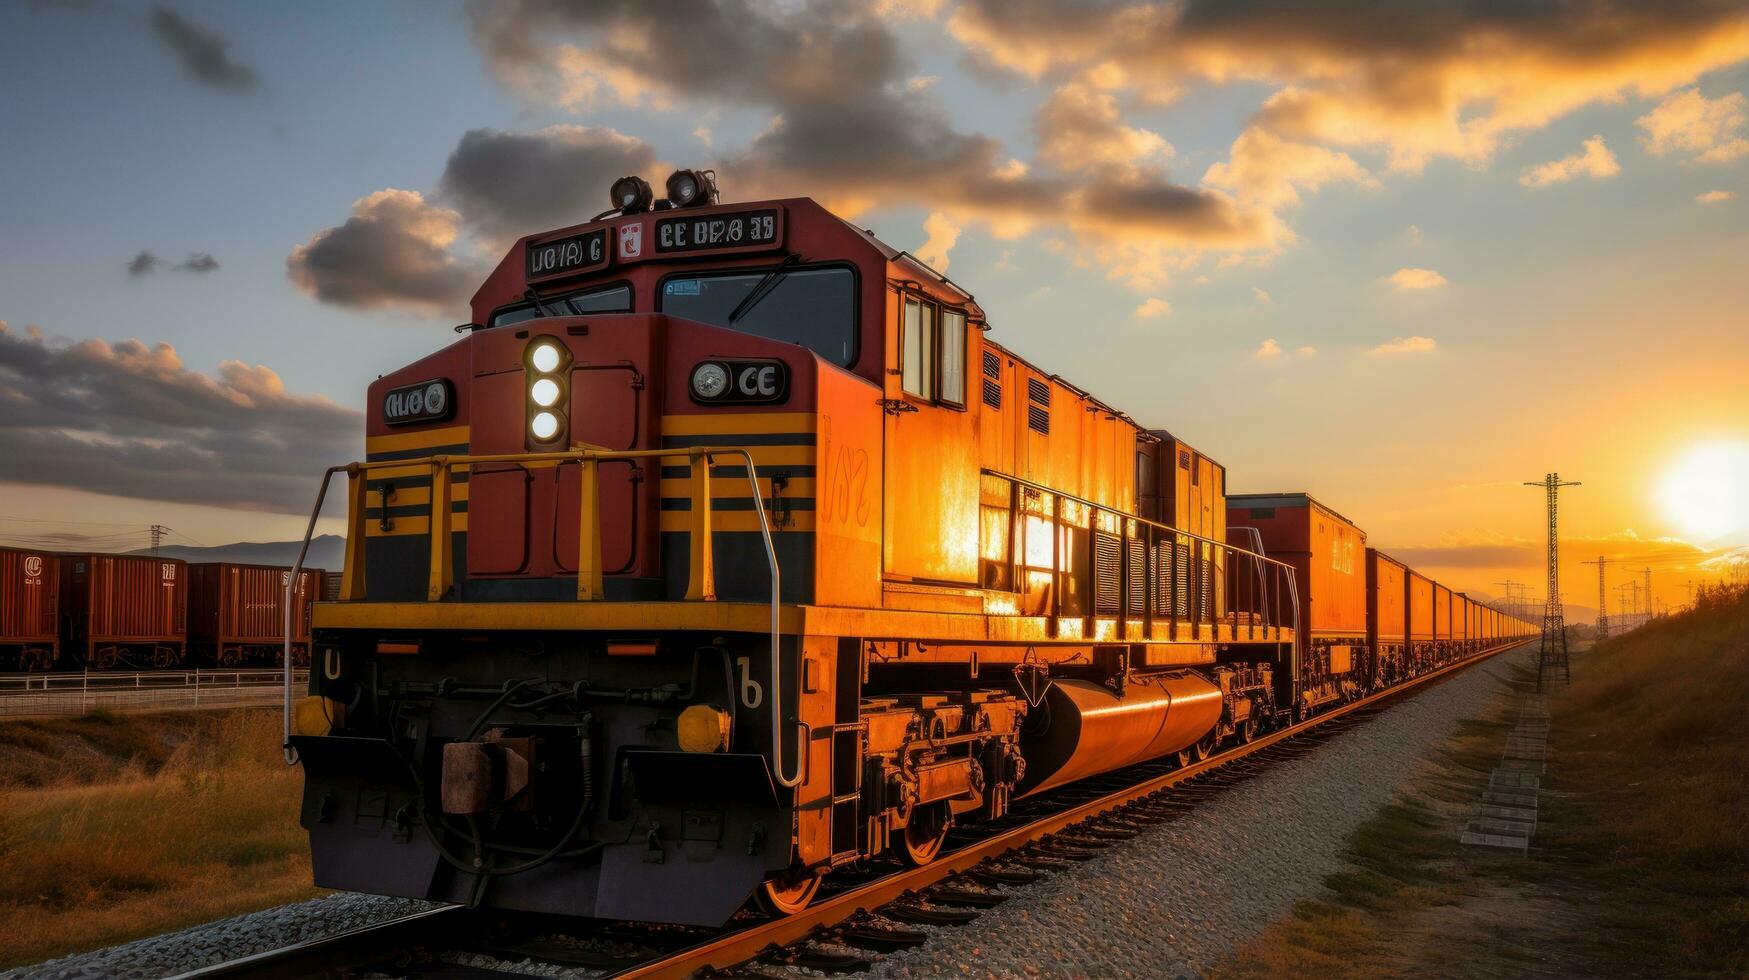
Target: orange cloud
{"points": [[1153, 307], [1595, 160], [1416, 279], [1688, 122], [1406, 345], [1715, 197], [943, 232]]}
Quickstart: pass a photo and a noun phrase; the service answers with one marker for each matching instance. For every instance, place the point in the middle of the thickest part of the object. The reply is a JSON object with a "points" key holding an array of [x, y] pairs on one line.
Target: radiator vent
{"points": [[1107, 570]]}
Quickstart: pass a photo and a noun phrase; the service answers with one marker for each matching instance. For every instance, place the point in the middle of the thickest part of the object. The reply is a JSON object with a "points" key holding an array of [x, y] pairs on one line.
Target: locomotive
{"points": [[725, 548]]}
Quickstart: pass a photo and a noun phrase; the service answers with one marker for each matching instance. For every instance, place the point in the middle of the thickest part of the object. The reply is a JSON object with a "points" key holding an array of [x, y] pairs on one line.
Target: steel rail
{"points": [[337, 953], [739, 947]]}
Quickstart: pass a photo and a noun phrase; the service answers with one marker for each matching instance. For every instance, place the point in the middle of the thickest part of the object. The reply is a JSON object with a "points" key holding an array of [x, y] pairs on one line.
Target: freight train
{"points": [[726, 548], [100, 612]]}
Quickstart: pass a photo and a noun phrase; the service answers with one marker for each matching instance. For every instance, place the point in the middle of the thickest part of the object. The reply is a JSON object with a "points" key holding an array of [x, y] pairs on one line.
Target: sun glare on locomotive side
{"points": [[1706, 491]]}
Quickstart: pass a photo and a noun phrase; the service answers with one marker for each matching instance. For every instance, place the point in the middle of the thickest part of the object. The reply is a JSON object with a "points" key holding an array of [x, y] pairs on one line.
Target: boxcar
{"points": [[30, 609], [122, 610], [1327, 552], [236, 613], [1387, 607]]}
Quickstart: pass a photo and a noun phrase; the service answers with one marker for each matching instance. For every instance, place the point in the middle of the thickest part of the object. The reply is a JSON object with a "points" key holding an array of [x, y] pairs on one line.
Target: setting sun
{"points": [[1706, 491]]}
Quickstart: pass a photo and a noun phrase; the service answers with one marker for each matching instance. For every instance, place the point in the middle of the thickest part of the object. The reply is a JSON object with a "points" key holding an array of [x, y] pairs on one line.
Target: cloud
{"points": [[1595, 160], [201, 51], [1262, 296], [129, 419], [849, 123], [1407, 278], [1351, 82], [1687, 122], [1153, 307], [1715, 197], [943, 232], [1268, 349], [506, 185], [1406, 345], [392, 252], [147, 263], [1307, 351]]}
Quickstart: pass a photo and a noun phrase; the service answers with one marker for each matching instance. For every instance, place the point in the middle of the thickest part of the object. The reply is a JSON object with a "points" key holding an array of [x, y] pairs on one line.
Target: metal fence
{"points": [[70, 694]]}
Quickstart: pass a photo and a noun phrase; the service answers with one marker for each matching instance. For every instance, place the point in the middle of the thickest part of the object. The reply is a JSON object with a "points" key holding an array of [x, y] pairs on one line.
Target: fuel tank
{"points": [[1089, 728]]}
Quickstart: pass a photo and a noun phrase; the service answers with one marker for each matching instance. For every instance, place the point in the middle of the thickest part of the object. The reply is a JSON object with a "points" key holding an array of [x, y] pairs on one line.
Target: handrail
{"points": [[291, 754], [1283, 569], [701, 583]]}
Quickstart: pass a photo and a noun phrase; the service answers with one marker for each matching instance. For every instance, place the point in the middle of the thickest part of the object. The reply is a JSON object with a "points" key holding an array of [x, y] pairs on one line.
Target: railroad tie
{"points": [[1506, 818]]}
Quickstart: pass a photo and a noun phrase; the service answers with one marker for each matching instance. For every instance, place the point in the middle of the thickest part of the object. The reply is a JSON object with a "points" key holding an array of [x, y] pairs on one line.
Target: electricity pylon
{"points": [[1602, 599], [1554, 646]]}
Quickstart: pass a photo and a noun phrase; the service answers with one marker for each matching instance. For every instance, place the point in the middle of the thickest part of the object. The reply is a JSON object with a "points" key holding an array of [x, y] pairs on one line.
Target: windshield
{"points": [[612, 299], [815, 308]]}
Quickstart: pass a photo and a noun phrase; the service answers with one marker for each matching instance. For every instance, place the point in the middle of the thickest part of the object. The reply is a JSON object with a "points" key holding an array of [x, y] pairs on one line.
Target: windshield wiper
{"points": [[764, 287], [532, 297]]}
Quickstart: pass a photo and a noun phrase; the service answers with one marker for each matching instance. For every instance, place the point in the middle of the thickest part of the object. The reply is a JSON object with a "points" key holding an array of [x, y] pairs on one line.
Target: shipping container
{"points": [[122, 610], [1386, 592], [1420, 607], [236, 613], [1460, 617], [1441, 612], [30, 609], [1326, 550]]}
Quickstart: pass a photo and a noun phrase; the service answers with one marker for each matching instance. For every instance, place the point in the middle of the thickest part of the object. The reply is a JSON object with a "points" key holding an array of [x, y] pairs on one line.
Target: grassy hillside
{"points": [[118, 827]]}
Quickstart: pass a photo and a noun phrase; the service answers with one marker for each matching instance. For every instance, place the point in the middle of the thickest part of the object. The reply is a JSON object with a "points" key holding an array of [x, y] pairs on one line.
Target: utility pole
{"points": [[1554, 646], [1649, 607], [1602, 599], [157, 533], [1691, 593]]}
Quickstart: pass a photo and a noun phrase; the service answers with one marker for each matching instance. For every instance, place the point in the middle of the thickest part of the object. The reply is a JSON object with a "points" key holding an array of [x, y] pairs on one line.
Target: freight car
{"points": [[119, 610], [30, 609], [725, 549], [236, 613]]}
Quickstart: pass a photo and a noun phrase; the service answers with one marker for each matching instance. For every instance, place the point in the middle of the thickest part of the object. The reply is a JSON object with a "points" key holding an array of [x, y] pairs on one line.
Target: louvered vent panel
{"points": [[1138, 583], [992, 365], [1184, 459], [1181, 582], [1038, 391], [1208, 589], [1162, 580], [1038, 419], [1107, 570], [992, 393]]}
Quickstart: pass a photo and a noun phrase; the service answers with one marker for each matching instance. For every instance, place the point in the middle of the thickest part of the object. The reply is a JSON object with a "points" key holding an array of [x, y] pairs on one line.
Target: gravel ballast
{"points": [[226, 939], [1172, 902], [1177, 899]]}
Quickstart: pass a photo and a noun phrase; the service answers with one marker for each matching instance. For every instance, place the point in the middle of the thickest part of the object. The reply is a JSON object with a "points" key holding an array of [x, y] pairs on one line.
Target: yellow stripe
{"points": [[723, 486], [408, 496], [763, 423], [745, 617], [735, 520], [450, 435]]}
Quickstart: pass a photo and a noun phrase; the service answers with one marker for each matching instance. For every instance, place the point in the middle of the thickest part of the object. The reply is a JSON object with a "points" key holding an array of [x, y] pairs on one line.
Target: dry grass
{"points": [[1641, 863], [160, 824]]}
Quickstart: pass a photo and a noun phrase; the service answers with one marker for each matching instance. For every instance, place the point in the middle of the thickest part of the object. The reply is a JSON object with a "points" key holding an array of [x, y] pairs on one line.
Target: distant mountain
{"points": [[326, 551]]}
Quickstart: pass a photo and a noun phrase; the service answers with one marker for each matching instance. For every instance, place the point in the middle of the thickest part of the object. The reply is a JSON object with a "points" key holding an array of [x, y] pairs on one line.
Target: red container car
{"points": [[1387, 615], [124, 611], [236, 613], [30, 609]]}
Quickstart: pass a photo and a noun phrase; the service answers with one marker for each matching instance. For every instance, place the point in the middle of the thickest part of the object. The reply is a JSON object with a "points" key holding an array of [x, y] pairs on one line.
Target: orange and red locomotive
{"points": [[725, 548]]}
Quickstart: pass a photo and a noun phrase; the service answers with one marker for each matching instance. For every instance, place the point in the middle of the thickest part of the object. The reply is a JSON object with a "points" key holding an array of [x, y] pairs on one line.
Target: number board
{"points": [[715, 232], [573, 253]]}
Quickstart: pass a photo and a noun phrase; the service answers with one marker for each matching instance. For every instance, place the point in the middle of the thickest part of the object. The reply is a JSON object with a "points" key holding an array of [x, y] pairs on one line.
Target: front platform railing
{"points": [[701, 575]]}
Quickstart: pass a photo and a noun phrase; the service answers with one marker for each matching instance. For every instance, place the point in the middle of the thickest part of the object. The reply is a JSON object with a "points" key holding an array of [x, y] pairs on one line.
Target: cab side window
{"points": [[932, 352]]}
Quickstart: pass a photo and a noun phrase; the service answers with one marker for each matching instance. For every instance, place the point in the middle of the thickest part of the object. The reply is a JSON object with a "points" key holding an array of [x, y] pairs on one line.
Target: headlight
{"points": [[687, 188], [703, 728], [544, 425], [709, 380], [545, 392], [631, 195], [545, 358]]}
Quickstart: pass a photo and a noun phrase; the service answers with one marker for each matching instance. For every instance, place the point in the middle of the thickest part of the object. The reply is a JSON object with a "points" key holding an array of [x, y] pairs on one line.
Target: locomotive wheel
{"points": [[1183, 758], [1201, 751], [1247, 730], [789, 893], [925, 833]]}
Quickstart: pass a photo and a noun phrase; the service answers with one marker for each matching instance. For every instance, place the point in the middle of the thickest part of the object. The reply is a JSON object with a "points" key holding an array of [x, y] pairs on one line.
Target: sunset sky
{"points": [[1405, 256]]}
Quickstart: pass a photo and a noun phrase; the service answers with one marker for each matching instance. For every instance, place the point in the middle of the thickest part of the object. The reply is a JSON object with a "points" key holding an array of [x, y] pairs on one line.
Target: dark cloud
{"points": [[393, 251], [201, 51], [131, 420], [146, 263], [852, 123], [506, 185]]}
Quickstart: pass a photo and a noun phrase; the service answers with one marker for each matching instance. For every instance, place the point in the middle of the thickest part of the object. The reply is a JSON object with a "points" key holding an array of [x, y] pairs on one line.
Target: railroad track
{"points": [[861, 915]]}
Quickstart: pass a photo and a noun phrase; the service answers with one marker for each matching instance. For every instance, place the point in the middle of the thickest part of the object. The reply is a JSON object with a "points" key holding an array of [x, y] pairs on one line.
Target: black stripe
{"points": [[738, 472], [375, 486], [738, 503], [733, 439], [458, 449], [413, 510]]}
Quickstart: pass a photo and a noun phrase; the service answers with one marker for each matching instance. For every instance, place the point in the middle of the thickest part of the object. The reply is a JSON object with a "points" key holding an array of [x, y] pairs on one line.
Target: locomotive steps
{"points": [[1506, 819]]}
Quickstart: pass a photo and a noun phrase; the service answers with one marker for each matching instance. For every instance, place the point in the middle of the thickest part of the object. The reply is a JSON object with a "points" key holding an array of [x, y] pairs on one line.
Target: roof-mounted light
{"points": [[632, 194], [692, 188]]}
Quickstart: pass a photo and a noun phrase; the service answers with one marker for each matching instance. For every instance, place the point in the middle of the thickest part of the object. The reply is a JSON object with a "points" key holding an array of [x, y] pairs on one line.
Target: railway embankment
{"points": [[1180, 898], [114, 827], [1640, 861]]}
